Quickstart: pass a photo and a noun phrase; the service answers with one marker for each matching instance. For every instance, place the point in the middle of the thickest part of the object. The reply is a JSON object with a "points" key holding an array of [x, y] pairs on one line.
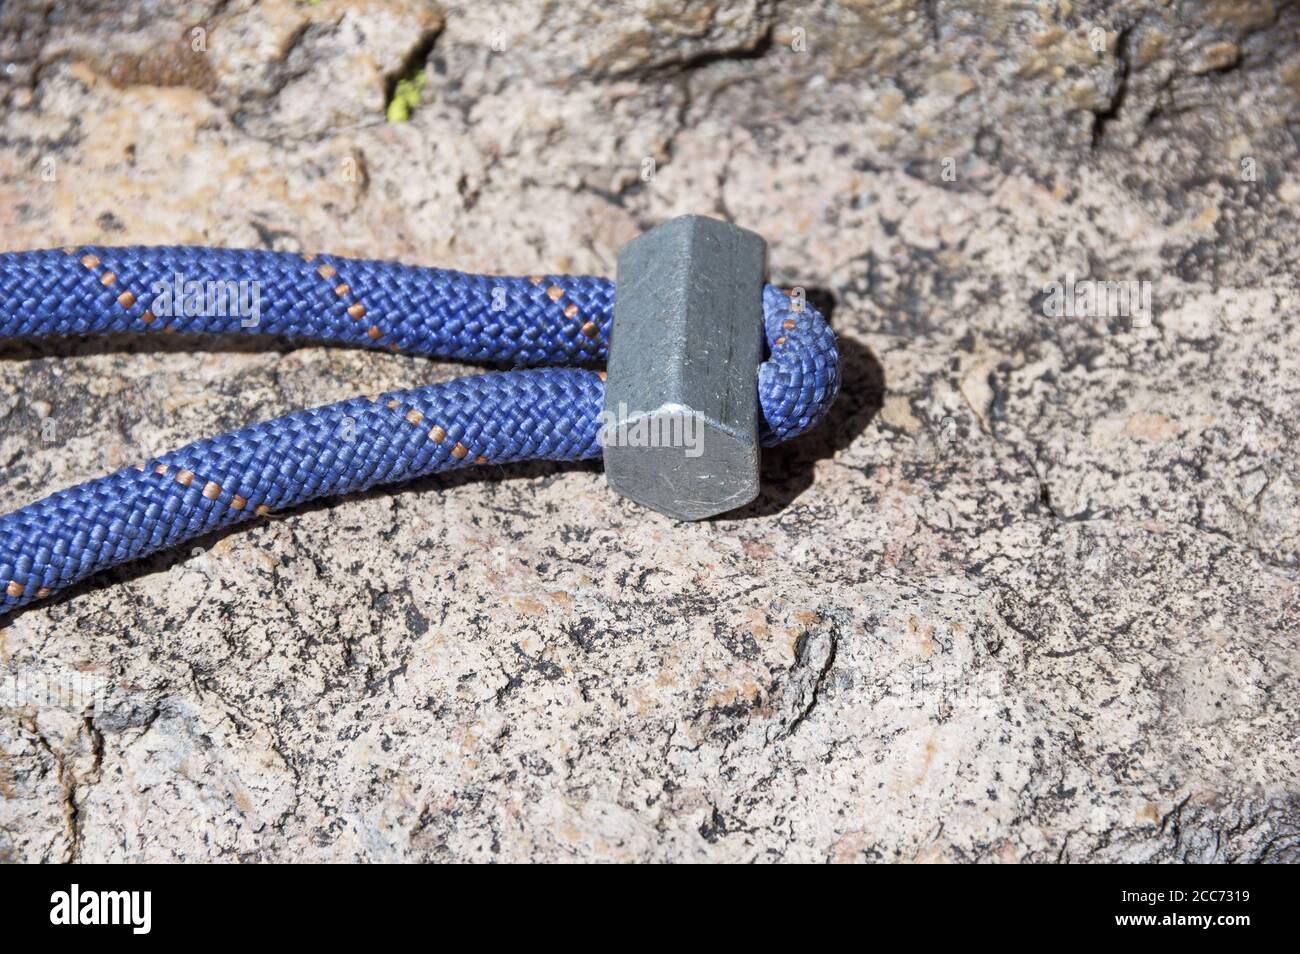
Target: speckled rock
{"points": [[1031, 594]]}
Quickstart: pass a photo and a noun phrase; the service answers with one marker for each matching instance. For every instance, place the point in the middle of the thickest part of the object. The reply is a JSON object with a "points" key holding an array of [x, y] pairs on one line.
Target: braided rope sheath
{"points": [[543, 413]]}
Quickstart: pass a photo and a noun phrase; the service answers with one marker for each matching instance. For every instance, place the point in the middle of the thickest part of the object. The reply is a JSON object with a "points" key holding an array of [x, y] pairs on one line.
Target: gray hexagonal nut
{"points": [[680, 422]]}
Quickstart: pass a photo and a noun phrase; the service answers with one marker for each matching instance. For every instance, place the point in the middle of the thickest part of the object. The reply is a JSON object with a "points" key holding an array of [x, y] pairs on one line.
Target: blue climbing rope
{"points": [[531, 412]]}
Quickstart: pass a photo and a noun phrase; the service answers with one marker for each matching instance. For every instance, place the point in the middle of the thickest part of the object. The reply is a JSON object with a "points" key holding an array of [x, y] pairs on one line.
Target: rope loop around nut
{"points": [[538, 411]]}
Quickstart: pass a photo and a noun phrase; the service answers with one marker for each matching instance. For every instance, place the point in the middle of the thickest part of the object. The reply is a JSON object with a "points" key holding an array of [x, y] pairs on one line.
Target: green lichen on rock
{"points": [[406, 96]]}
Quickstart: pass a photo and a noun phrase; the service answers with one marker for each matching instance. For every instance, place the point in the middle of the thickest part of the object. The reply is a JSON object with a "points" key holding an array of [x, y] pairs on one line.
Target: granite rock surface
{"points": [[1031, 594]]}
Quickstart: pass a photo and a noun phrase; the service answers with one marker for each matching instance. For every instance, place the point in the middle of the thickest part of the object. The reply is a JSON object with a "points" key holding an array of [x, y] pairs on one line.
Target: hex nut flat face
{"points": [[680, 424]]}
